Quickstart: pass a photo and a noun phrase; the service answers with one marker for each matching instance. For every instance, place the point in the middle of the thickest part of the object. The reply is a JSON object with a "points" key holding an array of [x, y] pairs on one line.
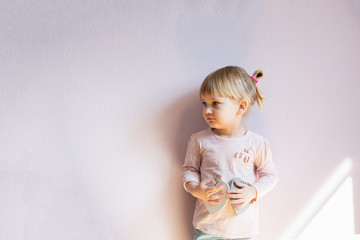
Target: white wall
{"points": [[98, 99]]}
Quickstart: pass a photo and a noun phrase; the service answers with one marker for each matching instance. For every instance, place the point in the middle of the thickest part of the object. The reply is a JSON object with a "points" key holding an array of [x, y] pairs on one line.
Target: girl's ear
{"points": [[243, 104]]}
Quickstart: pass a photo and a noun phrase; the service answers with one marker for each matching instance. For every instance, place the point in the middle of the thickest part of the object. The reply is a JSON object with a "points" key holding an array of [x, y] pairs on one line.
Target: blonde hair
{"points": [[233, 82]]}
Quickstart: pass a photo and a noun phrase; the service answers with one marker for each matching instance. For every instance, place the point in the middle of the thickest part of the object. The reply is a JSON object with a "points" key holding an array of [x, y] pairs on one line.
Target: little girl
{"points": [[228, 150]]}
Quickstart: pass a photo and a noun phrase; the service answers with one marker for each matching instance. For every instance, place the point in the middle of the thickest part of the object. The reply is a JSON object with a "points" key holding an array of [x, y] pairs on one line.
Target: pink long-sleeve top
{"points": [[208, 153]]}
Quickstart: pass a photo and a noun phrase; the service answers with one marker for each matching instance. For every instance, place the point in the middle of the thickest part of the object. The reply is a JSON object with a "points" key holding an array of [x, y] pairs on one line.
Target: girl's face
{"points": [[220, 112]]}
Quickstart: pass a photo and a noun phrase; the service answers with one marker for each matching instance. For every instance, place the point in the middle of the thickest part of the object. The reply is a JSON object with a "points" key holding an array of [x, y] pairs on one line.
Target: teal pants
{"points": [[200, 235]]}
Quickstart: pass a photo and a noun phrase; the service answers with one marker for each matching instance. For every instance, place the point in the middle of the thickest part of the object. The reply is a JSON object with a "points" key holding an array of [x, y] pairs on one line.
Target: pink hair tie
{"points": [[254, 77]]}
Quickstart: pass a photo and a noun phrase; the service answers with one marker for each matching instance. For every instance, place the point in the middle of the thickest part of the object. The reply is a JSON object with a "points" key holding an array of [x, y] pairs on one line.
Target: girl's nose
{"points": [[207, 110]]}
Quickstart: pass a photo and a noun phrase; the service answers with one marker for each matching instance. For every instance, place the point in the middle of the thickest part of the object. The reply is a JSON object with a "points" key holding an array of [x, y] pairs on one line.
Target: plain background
{"points": [[98, 100]]}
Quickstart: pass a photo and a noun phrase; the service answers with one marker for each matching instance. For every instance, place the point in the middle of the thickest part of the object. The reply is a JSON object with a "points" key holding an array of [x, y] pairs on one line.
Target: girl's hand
{"points": [[205, 192], [241, 196]]}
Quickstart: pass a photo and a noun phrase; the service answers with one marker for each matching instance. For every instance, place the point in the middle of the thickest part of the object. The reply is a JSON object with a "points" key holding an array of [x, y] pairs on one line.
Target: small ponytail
{"points": [[258, 73], [259, 99]]}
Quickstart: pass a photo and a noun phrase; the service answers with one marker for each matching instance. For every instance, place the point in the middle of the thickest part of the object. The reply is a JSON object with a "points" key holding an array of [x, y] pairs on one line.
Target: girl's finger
{"points": [[236, 201], [234, 191], [234, 196], [216, 196], [239, 184], [215, 189], [238, 206], [213, 202]]}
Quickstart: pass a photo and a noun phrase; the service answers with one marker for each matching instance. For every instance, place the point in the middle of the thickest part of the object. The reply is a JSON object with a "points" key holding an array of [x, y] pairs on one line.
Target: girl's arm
{"points": [[191, 175], [267, 175], [191, 167]]}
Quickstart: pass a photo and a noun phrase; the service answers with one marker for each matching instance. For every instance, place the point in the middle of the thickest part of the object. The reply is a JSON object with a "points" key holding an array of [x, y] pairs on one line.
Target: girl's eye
{"points": [[203, 103], [216, 103]]}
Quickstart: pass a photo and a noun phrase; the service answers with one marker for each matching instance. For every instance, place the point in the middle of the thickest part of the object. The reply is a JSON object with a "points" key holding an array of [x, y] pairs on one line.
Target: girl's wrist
{"points": [[190, 186]]}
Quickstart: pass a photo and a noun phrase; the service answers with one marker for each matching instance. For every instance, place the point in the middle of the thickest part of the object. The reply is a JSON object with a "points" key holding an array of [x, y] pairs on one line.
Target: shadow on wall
{"points": [[183, 117]]}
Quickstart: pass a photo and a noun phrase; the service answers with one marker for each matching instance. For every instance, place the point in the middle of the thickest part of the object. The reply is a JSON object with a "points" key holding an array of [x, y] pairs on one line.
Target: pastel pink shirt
{"points": [[208, 153]]}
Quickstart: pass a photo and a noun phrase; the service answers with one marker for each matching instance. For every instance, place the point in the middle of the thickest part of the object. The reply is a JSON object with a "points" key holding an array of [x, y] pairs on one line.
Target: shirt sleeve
{"points": [[267, 175], [191, 167]]}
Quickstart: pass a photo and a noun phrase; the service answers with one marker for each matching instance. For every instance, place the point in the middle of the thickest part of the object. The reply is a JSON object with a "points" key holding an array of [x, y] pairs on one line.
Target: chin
{"points": [[212, 125]]}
